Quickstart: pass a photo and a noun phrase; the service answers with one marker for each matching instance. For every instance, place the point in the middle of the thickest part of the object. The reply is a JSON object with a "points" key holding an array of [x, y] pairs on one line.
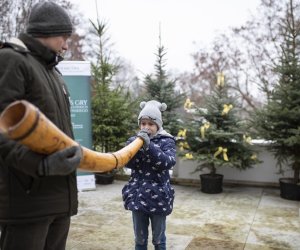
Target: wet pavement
{"points": [[250, 218]]}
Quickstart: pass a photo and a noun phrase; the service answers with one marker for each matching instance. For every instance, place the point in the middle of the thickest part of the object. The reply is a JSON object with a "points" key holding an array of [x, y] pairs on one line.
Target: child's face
{"points": [[149, 125]]}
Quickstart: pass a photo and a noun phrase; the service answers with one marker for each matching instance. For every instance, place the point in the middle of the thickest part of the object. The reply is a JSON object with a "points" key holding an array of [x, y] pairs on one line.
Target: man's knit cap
{"points": [[47, 19]]}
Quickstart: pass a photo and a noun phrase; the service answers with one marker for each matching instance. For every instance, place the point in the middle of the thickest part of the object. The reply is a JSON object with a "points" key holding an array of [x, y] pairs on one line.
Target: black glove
{"points": [[144, 134], [62, 162]]}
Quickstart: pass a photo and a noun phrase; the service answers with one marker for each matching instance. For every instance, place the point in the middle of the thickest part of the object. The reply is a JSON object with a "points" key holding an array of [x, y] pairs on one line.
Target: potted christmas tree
{"points": [[279, 121], [111, 107], [215, 138]]}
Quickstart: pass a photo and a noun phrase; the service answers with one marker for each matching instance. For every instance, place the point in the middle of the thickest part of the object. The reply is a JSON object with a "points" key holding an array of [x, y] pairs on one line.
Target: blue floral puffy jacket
{"points": [[149, 189]]}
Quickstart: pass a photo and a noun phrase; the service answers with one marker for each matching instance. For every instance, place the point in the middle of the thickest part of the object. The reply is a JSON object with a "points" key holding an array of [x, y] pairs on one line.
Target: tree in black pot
{"points": [[215, 138], [161, 87], [111, 106], [279, 120]]}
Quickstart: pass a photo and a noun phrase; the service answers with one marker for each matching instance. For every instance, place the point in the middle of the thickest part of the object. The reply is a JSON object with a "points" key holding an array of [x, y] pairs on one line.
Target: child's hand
{"points": [[143, 134]]}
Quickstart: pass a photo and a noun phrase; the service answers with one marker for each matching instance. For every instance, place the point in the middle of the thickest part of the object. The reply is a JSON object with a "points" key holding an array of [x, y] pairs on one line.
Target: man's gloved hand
{"points": [[144, 134], [62, 162]]}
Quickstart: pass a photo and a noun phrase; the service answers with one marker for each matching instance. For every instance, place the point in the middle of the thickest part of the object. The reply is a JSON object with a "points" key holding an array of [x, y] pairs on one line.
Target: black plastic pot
{"points": [[104, 178], [211, 183], [289, 189]]}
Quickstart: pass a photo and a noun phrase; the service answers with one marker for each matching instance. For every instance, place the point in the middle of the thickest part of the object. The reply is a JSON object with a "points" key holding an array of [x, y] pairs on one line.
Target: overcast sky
{"points": [[133, 26]]}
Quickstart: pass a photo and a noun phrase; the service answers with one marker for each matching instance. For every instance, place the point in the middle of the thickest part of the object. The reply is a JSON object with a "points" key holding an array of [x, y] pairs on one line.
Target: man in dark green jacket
{"points": [[38, 193]]}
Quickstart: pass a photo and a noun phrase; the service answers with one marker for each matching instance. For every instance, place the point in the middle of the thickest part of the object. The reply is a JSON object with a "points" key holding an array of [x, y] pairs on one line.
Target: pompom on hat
{"points": [[152, 110], [47, 19]]}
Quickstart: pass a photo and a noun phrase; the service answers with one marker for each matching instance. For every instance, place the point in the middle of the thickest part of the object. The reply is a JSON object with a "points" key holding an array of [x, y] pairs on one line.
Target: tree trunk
{"points": [[296, 172], [213, 169]]}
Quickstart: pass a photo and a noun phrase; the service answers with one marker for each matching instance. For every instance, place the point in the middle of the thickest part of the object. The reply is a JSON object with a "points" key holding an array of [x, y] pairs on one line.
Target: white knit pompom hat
{"points": [[152, 110]]}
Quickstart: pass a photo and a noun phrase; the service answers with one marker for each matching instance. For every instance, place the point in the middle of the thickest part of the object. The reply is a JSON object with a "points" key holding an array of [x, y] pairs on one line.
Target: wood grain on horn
{"points": [[25, 123]]}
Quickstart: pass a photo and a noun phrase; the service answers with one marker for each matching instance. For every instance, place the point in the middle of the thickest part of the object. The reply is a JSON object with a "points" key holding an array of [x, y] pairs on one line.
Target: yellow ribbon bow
{"points": [[188, 104], [186, 145], [182, 133], [219, 151], [203, 128], [189, 156], [220, 79], [183, 145], [226, 109], [247, 139]]}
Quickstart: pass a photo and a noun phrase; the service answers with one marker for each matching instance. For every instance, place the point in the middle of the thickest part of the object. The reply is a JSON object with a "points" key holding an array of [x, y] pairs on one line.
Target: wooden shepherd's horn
{"points": [[25, 123]]}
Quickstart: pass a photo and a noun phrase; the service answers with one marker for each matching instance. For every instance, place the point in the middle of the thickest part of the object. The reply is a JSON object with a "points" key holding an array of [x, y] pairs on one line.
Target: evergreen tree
{"points": [[162, 89], [215, 137], [14, 17], [279, 120], [111, 108]]}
